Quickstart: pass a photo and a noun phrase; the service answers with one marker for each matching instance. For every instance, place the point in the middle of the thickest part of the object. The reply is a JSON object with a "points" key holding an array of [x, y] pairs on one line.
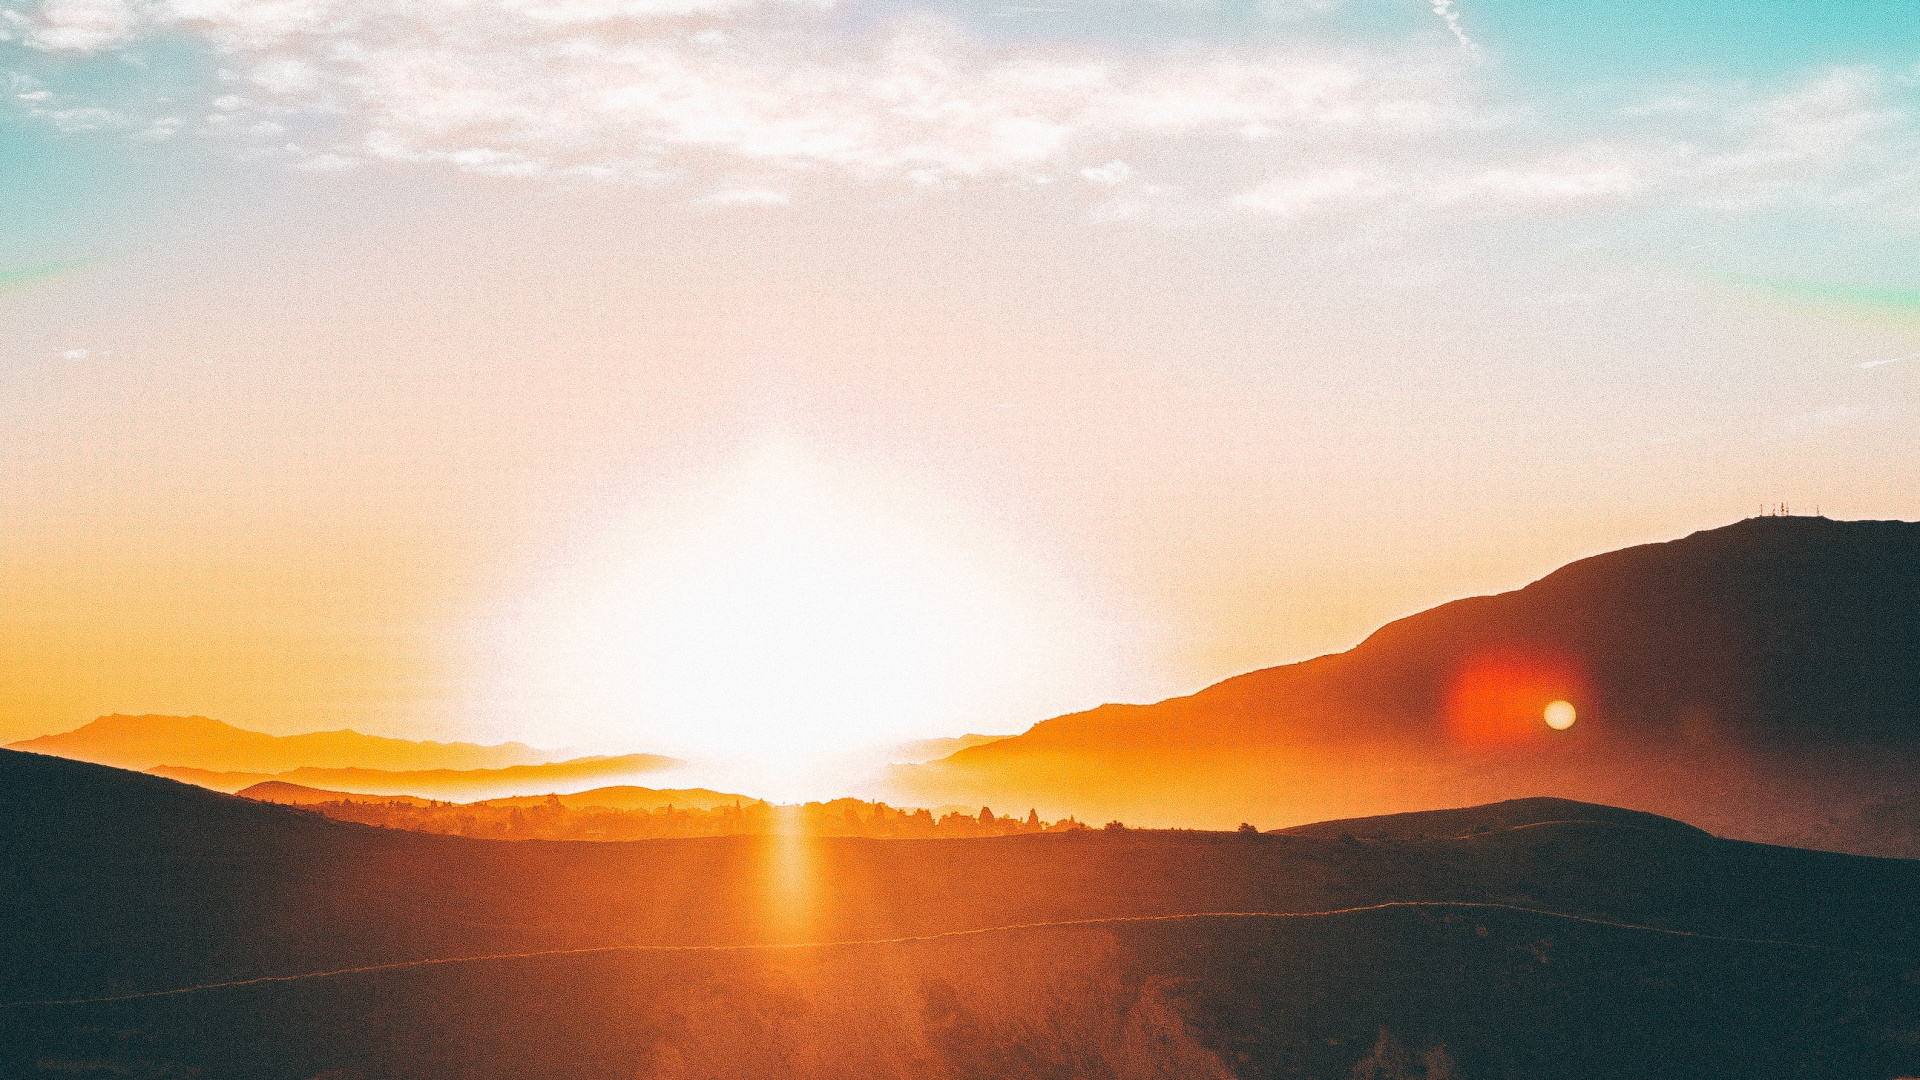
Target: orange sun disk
{"points": [[1501, 699]]}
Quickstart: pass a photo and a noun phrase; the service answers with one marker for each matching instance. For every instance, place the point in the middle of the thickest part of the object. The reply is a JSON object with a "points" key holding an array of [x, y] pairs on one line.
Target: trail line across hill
{"points": [[1462, 905]]}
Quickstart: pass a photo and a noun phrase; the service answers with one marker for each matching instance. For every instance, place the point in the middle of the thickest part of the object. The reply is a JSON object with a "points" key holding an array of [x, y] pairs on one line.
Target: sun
{"points": [[1498, 698], [789, 616]]}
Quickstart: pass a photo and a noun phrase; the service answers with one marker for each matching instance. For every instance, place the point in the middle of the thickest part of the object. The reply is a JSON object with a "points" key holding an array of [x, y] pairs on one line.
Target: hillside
{"points": [[1475, 820], [1889, 828], [646, 958], [285, 794], [1750, 678], [141, 742], [923, 750]]}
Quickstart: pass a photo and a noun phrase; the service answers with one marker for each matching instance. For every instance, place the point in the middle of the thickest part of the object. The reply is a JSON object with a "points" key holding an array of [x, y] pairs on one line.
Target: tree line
{"points": [[552, 820]]}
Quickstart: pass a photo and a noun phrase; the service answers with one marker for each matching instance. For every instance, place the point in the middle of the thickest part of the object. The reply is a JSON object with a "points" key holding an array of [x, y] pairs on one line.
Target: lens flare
{"points": [[1498, 699]]}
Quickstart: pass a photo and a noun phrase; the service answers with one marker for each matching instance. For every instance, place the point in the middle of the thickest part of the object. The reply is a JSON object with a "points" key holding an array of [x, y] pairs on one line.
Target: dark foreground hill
{"points": [[1752, 679], [1572, 947], [1474, 820]]}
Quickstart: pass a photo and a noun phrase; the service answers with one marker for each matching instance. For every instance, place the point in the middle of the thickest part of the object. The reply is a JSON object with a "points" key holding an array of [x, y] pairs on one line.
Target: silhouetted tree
{"points": [[1246, 828], [986, 816], [1033, 817]]}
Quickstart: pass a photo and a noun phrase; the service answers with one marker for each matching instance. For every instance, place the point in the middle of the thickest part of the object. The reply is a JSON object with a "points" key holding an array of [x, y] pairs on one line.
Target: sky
{"points": [[766, 381]]}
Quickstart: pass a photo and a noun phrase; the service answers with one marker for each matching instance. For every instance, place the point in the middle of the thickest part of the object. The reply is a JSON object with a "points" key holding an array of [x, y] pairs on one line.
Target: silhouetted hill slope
{"points": [[278, 791], [1889, 828], [459, 784], [922, 750], [1466, 821], [117, 883], [140, 742], [628, 797], [1744, 678]]}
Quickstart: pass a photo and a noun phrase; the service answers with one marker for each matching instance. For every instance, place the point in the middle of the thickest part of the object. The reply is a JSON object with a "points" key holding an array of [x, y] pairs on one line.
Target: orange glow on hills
{"points": [[1500, 699]]}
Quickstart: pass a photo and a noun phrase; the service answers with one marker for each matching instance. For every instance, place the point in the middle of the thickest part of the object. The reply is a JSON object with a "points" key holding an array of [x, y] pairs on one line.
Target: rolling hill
{"points": [[285, 794], [150, 928], [1753, 679], [1476, 820]]}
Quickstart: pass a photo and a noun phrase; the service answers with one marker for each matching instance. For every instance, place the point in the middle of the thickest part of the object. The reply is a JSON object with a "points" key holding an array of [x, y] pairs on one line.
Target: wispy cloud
{"points": [[1821, 421], [1890, 360], [746, 196], [1451, 16], [1299, 196], [640, 88], [740, 98]]}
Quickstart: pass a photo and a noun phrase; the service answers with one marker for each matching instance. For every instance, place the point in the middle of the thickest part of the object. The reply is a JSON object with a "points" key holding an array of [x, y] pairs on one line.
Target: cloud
{"points": [[1834, 139], [695, 93], [322, 162], [1820, 421], [82, 25], [1300, 196], [640, 89], [746, 196], [1289, 10], [1440, 186], [1560, 182], [1890, 360], [1451, 16]]}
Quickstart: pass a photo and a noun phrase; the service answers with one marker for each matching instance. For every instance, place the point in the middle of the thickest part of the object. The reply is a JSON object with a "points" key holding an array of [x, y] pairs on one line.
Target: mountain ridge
{"points": [[144, 741], [1770, 651], [615, 797], [460, 784]]}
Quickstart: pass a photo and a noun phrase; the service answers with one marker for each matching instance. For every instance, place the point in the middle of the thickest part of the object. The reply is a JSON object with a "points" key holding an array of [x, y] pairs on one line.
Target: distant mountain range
{"points": [[922, 750], [619, 797], [212, 754], [463, 785], [196, 742], [1753, 679]]}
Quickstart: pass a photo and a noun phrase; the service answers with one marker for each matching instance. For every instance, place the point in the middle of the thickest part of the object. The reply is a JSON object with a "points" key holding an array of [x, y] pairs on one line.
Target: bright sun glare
{"points": [[1560, 715], [788, 620]]}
